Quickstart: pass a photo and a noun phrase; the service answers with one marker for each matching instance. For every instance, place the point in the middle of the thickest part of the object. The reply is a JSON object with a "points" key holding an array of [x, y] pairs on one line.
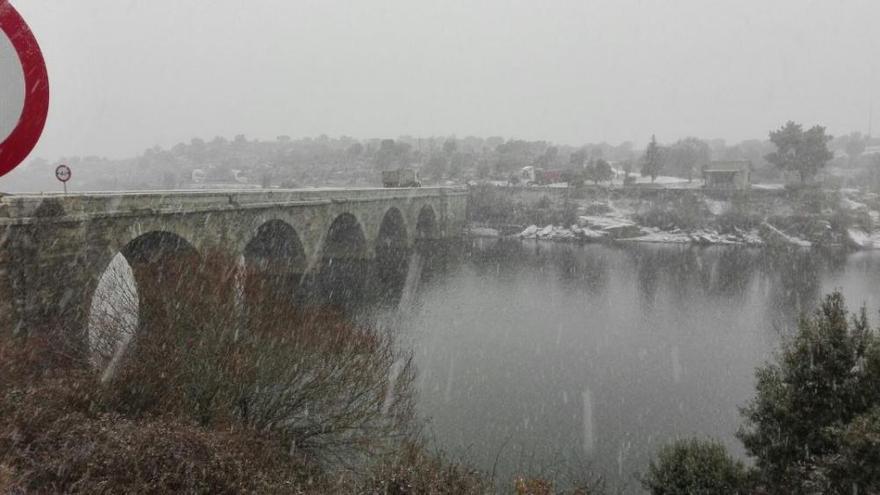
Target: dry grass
{"points": [[413, 471], [54, 441]]}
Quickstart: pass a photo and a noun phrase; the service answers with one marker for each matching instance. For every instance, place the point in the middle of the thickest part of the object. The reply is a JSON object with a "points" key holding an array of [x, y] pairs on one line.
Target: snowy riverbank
{"points": [[598, 229], [625, 232], [800, 219], [616, 228], [634, 233]]}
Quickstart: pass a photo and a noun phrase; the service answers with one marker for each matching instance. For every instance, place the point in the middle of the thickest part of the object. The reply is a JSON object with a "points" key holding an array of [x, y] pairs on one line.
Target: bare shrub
{"points": [[307, 376]]}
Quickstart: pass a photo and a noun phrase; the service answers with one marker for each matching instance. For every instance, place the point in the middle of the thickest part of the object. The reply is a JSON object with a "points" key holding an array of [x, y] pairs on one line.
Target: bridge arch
{"points": [[141, 287], [392, 230], [392, 257], [345, 238], [274, 261], [340, 278], [426, 224], [430, 250]]}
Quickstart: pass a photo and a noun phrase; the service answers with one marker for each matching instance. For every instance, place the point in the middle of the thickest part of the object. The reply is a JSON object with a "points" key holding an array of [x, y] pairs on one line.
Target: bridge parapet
{"points": [[13, 207]]}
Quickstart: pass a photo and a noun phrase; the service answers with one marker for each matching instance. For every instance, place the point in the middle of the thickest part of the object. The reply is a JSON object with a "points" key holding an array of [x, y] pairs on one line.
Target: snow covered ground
{"points": [[605, 222], [615, 220], [643, 234], [863, 240], [775, 236], [700, 236], [660, 180], [771, 187]]}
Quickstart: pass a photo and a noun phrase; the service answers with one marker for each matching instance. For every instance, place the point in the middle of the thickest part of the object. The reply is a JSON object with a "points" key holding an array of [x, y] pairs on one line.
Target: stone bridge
{"points": [[54, 249]]}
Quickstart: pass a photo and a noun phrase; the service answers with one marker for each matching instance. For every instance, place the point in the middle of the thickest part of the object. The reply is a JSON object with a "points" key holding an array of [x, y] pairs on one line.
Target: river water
{"points": [[562, 359]]}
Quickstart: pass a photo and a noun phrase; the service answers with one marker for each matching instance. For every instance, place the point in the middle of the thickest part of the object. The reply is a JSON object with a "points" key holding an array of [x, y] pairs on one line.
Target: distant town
{"points": [[324, 161]]}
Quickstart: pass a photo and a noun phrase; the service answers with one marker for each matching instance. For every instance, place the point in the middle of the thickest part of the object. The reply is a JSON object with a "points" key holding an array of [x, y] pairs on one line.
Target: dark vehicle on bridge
{"points": [[403, 177]]}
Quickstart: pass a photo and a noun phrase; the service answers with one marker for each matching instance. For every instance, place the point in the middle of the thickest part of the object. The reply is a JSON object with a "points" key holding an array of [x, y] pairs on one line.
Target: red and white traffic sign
{"points": [[24, 89], [62, 173]]}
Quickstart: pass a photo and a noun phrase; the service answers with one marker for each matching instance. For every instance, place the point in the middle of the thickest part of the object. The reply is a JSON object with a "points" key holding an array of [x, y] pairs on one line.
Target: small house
{"points": [[734, 174]]}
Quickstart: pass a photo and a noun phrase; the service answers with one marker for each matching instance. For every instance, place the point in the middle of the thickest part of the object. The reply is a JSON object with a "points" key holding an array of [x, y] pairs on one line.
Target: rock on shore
{"points": [[554, 233]]}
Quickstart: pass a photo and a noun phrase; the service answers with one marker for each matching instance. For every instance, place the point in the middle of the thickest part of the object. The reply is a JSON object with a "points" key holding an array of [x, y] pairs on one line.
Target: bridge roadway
{"points": [[55, 248]]}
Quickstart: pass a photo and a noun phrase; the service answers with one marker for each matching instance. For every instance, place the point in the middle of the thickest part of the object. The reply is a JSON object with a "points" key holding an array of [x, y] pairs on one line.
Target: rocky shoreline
{"points": [[800, 218], [609, 229], [593, 233], [765, 236]]}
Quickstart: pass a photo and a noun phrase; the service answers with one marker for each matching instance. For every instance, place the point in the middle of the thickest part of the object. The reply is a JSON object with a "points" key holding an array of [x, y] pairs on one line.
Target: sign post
{"points": [[24, 89], [63, 173]]}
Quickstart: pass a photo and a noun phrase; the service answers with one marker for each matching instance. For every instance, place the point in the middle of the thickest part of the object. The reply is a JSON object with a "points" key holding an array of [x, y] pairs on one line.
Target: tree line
{"points": [[344, 160]]}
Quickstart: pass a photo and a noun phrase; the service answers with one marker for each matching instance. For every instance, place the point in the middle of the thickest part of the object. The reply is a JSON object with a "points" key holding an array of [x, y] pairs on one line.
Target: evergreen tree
{"points": [[599, 171], [804, 152], [826, 376], [653, 160]]}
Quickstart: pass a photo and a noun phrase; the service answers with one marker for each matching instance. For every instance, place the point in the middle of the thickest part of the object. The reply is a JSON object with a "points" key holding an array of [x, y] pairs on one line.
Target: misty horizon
{"points": [[439, 139], [127, 76]]}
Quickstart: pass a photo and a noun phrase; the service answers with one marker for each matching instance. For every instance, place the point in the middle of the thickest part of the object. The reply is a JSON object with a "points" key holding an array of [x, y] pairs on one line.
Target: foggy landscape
{"points": [[585, 247]]}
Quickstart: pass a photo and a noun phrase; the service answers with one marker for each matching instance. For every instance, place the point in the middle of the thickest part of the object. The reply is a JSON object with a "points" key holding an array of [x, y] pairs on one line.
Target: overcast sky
{"points": [[127, 74]]}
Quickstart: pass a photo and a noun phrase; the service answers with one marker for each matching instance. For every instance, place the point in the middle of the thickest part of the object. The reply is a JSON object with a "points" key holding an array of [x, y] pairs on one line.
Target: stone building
{"points": [[731, 174]]}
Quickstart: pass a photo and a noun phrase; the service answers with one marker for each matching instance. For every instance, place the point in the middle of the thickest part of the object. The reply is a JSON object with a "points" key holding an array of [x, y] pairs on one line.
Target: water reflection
{"points": [[536, 353]]}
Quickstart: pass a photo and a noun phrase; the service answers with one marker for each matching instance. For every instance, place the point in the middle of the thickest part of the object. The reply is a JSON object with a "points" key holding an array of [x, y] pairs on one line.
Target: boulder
{"points": [[530, 232]]}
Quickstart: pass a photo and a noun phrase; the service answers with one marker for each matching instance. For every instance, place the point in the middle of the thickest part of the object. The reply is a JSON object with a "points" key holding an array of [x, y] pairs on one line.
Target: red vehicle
{"points": [[534, 176]]}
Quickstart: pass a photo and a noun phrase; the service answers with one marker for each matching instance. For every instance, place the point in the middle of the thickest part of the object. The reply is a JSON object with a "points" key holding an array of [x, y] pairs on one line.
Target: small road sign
{"points": [[63, 173], [24, 89]]}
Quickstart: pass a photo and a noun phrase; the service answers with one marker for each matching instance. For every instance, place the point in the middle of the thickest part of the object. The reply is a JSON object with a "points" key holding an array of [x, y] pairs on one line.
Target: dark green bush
{"points": [[826, 376], [694, 466], [855, 464]]}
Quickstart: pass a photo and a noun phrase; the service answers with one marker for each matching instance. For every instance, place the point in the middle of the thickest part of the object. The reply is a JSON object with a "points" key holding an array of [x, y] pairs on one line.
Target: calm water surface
{"points": [[560, 358]]}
